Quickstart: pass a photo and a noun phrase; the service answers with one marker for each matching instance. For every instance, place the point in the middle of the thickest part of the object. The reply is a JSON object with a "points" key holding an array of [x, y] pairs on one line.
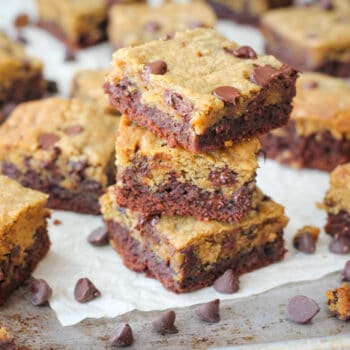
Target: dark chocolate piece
{"points": [[340, 244], [228, 283], [85, 291], [98, 237], [164, 324], [121, 335], [301, 309], [209, 312], [41, 292]]}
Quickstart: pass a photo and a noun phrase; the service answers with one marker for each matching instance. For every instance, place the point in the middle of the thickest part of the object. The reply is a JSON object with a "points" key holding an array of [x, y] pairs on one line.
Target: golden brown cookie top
{"points": [[321, 102]]}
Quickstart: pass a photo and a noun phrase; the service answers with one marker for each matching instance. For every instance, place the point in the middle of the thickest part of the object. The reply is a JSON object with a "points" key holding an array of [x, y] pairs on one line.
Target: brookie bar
{"points": [[154, 178], [185, 254], [220, 94], [23, 234], [63, 147]]}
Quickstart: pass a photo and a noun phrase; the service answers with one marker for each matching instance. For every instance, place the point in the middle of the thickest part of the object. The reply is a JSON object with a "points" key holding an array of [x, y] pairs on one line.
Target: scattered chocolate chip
{"points": [[301, 309], [57, 222], [21, 20], [227, 94], [340, 244], [245, 52], [73, 130], [326, 4], [227, 283], [47, 141], [98, 237], [209, 312], [121, 336], [85, 290], [69, 56], [152, 27], [261, 75], [20, 38], [164, 324], [156, 67], [41, 292], [310, 85], [2, 275], [51, 87], [345, 274], [305, 242]]}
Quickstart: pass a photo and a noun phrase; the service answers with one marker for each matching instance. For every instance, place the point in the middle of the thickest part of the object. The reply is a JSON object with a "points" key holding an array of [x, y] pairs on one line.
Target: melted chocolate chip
{"points": [[326, 5], [164, 324], [310, 85], [47, 141], [305, 243], [156, 67], [85, 290], [340, 245], [245, 52], [227, 283], [261, 75], [98, 237], [41, 292], [228, 94], [152, 27], [73, 130], [209, 312], [301, 309], [122, 335], [346, 272]]}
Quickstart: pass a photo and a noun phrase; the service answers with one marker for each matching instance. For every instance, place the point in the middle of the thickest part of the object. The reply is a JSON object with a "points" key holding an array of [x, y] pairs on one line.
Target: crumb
{"points": [[57, 222], [21, 20], [338, 301]]}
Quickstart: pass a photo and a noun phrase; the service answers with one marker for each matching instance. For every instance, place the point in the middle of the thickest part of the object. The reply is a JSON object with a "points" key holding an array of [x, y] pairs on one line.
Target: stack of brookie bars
{"points": [[185, 207]]}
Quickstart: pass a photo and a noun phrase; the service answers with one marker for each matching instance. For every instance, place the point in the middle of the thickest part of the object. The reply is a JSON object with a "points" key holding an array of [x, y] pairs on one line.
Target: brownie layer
{"points": [[225, 12], [83, 200], [318, 151], [84, 40], [140, 259], [182, 199], [338, 224], [257, 119], [18, 274]]}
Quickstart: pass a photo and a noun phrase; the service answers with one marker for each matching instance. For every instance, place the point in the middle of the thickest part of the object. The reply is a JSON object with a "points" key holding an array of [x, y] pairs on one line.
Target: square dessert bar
{"points": [[185, 254], [87, 85], [201, 91], [245, 11], [78, 23], [155, 22], [314, 38], [23, 234], [153, 178], [337, 202], [63, 147], [21, 76], [318, 133]]}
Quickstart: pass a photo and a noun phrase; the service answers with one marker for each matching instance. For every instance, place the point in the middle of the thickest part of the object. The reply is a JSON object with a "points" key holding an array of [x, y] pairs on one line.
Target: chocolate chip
{"points": [[156, 67], [227, 283], [310, 85], [121, 335], [179, 103], [301, 309], [209, 312], [305, 242], [326, 4], [98, 237], [41, 292], [245, 52], [340, 245], [85, 290], [73, 130], [47, 141], [164, 324], [57, 222], [69, 56], [2, 275], [261, 75], [227, 94], [152, 27], [21, 20], [345, 274], [7, 109], [10, 170], [51, 87]]}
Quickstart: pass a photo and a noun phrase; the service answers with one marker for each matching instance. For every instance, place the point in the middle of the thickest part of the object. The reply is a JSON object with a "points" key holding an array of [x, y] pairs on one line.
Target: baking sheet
{"points": [[71, 257]]}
